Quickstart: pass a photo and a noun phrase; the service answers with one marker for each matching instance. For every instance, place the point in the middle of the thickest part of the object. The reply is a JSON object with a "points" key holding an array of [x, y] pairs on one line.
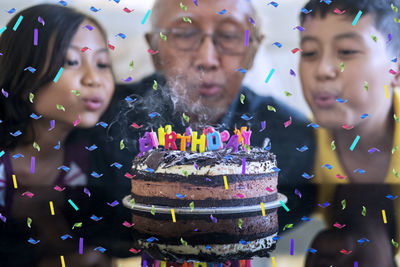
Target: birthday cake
{"points": [[208, 206]]}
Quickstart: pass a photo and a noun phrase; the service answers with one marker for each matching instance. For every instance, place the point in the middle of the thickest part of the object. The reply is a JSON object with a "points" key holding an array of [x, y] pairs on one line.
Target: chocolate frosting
{"points": [[154, 158]]}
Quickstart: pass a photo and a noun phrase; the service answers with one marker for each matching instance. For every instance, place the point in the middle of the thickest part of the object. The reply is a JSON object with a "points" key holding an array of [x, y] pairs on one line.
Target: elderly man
{"points": [[198, 49]]}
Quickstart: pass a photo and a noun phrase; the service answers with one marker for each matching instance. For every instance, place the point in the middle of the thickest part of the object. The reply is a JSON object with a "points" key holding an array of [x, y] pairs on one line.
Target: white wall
{"points": [[277, 25]]}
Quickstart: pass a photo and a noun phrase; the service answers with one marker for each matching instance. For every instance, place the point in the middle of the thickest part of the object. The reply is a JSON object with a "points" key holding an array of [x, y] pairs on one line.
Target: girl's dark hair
{"points": [[380, 10], [19, 52]]}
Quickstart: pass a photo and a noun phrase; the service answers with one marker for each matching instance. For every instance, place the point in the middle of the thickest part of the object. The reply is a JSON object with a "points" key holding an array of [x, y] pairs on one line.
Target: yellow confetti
{"points": [[271, 108], [173, 215], [36, 146], [76, 92], [155, 85], [186, 19], [60, 107], [28, 222], [121, 145], [15, 181], [186, 117], [163, 36], [52, 208], [131, 65], [79, 224], [242, 97], [184, 8], [31, 96]]}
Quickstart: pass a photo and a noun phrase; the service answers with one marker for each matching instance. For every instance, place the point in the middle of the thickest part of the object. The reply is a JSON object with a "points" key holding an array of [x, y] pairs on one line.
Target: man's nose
{"points": [[328, 68], [207, 56]]}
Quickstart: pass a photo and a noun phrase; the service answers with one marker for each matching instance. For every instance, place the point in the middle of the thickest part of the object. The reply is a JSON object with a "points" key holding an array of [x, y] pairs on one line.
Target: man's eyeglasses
{"points": [[232, 43]]}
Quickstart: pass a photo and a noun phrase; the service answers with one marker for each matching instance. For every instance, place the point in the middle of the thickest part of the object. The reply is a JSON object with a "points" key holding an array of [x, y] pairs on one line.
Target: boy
{"points": [[349, 73]]}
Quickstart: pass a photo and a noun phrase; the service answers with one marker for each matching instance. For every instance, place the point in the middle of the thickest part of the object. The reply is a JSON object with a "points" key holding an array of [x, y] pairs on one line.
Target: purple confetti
{"points": [[263, 126], [372, 150], [389, 37], [292, 73], [3, 218], [324, 205], [4, 92], [246, 39], [86, 191], [213, 219], [208, 179], [298, 28], [40, 20], [52, 124], [90, 28], [195, 165], [252, 22], [297, 192], [113, 204], [243, 165], [196, 2]]}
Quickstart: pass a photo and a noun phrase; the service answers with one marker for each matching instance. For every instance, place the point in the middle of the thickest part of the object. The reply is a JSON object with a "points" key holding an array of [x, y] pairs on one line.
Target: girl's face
{"points": [[85, 86]]}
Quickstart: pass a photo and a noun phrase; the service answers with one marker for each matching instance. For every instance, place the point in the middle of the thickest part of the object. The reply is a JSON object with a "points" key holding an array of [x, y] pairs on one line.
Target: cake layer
{"points": [[206, 229]]}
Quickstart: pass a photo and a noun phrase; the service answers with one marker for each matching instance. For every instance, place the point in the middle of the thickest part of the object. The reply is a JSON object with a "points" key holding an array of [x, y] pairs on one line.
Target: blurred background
{"points": [[277, 26]]}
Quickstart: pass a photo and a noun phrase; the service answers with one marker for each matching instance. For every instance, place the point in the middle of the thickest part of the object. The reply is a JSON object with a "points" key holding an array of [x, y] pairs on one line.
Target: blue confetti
{"points": [[305, 10], [328, 166], [12, 10], [17, 133], [394, 60], [33, 241], [31, 69], [274, 4], [315, 126], [151, 239], [324, 205], [123, 36], [64, 168], [228, 157], [17, 156], [208, 247], [127, 79], [92, 8], [113, 204], [129, 100], [252, 22], [150, 170], [277, 44], [90, 28], [63, 3], [153, 114], [363, 116], [302, 149], [328, 2], [360, 171], [373, 150], [306, 219], [221, 12], [391, 197], [311, 250], [116, 165], [180, 196], [277, 237], [341, 100], [96, 175], [362, 240], [65, 237], [102, 124], [245, 117], [57, 147], [35, 117], [276, 169], [91, 148], [241, 70], [101, 249], [298, 28], [243, 242], [307, 176], [95, 218]]}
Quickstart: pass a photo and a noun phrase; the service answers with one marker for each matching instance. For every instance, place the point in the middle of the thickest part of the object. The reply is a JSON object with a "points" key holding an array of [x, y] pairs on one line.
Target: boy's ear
{"points": [[396, 79]]}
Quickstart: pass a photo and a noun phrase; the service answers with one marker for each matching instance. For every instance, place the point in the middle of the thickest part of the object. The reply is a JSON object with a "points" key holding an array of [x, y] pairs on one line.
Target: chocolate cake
{"points": [[216, 200]]}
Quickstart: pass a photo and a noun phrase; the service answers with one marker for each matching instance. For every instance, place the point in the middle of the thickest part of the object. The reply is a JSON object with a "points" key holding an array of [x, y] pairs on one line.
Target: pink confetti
{"points": [[295, 50], [77, 121], [338, 225], [393, 72], [28, 194], [339, 176], [269, 189], [347, 127], [287, 123], [152, 52], [134, 250], [84, 49], [134, 125], [59, 189], [127, 224], [127, 10], [111, 46], [338, 11], [240, 195], [129, 176]]}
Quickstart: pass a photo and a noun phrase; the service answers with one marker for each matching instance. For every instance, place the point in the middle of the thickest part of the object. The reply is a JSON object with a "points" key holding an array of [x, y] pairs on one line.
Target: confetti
{"points": [[262, 209], [306, 219], [123, 36], [364, 211], [62, 3], [292, 246], [95, 218], [186, 117], [341, 66], [186, 19], [91, 148], [363, 116], [31, 69], [2, 153], [110, 46], [153, 210], [173, 218], [241, 70], [354, 143], [295, 50], [324, 205], [333, 147], [270, 75], [64, 237], [35, 37], [40, 20], [52, 208], [12, 10], [311, 250], [178, 195], [31, 96], [306, 11], [287, 226], [346, 252], [297, 192], [3, 218], [102, 124], [362, 240], [271, 108], [298, 28], [213, 219], [394, 8], [263, 126], [341, 100], [222, 12], [394, 243], [391, 197], [16, 156], [357, 18], [4, 92], [183, 7], [146, 16], [274, 4], [277, 44], [338, 11], [384, 217], [373, 150], [20, 18], [86, 191], [73, 204], [3, 29], [33, 241], [347, 127], [121, 145], [60, 107], [196, 2], [92, 8], [32, 164], [57, 147], [127, 79], [287, 93], [302, 149], [252, 22], [284, 206], [131, 65], [116, 165], [100, 249], [58, 75], [343, 204], [96, 175], [127, 10], [152, 52], [292, 73], [360, 171], [245, 117], [29, 222], [191, 205], [127, 224], [154, 114], [59, 189], [35, 117]]}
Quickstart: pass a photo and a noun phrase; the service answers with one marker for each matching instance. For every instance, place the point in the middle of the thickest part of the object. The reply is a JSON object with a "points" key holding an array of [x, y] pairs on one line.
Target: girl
{"points": [[55, 77]]}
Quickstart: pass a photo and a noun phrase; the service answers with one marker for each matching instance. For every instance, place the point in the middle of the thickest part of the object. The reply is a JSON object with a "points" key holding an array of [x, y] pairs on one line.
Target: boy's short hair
{"points": [[381, 11]]}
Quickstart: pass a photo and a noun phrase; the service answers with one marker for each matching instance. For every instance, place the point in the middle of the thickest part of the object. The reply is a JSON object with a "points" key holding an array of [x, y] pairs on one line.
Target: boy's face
{"points": [[328, 42]]}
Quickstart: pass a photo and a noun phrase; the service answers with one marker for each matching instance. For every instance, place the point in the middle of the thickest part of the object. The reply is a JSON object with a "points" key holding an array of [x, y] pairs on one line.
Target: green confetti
{"points": [[131, 65], [153, 210], [397, 174], [333, 147], [121, 145], [287, 226], [242, 97], [240, 223], [397, 20], [28, 222], [341, 66], [394, 149], [287, 93], [397, 119], [185, 173], [366, 86], [191, 205], [271, 108], [164, 37], [374, 38], [247, 147], [183, 242], [79, 224], [364, 211], [36, 146], [76, 92], [31, 96], [132, 202], [155, 85], [343, 204], [60, 107], [394, 8], [394, 243], [186, 117], [186, 19], [184, 8]]}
